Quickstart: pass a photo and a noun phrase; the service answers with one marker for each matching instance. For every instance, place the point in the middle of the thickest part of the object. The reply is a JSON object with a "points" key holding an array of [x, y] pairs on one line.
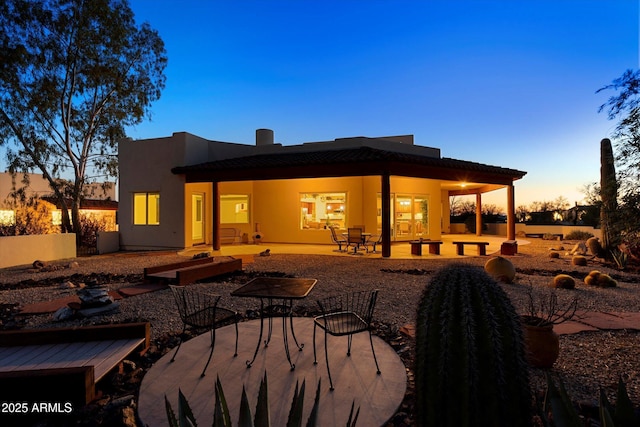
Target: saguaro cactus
{"points": [[608, 194], [470, 362]]}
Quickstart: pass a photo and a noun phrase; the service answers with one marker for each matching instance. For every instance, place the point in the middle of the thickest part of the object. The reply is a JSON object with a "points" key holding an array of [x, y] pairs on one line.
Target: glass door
{"points": [[197, 218], [404, 226]]}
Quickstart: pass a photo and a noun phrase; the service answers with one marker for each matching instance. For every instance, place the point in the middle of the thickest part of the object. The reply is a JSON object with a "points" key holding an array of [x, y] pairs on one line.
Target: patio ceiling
{"points": [[360, 161]]}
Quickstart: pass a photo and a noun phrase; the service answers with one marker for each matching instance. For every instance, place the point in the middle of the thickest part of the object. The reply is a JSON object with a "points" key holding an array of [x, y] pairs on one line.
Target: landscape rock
{"points": [[64, 313]]}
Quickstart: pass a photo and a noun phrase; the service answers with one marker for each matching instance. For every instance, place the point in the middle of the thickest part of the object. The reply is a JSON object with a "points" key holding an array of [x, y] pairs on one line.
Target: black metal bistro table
{"points": [[279, 294]]}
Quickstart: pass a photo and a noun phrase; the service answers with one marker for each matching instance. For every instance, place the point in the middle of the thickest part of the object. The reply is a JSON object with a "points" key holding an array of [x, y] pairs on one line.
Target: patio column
{"points": [[215, 215], [511, 212], [385, 197], [478, 214]]}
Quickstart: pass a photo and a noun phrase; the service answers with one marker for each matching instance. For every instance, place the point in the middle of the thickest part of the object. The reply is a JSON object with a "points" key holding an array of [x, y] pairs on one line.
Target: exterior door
{"points": [[197, 218]]}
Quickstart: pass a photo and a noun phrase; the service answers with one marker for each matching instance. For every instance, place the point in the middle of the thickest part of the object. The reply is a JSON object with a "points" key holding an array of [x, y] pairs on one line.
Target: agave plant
{"points": [[261, 418], [620, 258], [558, 403]]}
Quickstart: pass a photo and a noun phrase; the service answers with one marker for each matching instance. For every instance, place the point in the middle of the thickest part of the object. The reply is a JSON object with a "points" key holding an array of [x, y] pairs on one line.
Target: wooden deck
{"points": [[64, 363], [355, 378]]}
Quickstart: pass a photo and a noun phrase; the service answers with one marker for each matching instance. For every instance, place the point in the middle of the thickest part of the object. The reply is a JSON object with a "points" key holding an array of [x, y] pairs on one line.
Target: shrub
{"points": [[470, 360], [578, 235]]}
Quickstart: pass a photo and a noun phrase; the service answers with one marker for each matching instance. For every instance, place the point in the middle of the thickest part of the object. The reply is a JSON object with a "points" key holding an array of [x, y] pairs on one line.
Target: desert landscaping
{"points": [[588, 360]]}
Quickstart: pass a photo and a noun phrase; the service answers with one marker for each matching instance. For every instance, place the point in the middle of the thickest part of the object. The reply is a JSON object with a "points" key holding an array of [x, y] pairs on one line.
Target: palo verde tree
{"points": [[73, 75]]}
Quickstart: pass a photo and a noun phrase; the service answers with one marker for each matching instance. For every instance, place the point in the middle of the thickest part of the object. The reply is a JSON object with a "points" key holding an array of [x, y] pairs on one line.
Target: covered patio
{"points": [[385, 160], [401, 250]]}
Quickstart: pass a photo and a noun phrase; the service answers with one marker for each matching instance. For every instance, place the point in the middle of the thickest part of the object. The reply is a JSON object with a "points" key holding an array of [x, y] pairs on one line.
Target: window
{"points": [[234, 209], [318, 210], [7, 217], [146, 208]]}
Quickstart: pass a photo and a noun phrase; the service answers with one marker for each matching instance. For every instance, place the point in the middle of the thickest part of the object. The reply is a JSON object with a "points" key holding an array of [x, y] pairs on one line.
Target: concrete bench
{"points": [[509, 247], [230, 235], [482, 247], [183, 273], [64, 364], [434, 246]]}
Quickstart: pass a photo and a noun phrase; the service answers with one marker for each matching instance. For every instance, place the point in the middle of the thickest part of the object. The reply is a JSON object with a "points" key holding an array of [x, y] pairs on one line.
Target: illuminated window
{"points": [[7, 217], [56, 217], [146, 208], [234, 209], [318, 210]]}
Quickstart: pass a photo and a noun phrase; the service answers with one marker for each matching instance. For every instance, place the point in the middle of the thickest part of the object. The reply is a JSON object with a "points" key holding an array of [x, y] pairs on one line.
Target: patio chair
{"points": [[199, 310], [337, 239], [354, 238], [373, 240], [345, 314]]}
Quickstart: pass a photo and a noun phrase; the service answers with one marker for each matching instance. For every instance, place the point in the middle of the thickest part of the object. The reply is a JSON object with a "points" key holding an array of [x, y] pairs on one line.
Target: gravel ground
{"points": [[588, 360]]}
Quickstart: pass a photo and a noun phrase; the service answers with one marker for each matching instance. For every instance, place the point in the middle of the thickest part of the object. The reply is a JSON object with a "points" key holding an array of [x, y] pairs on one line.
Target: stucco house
{"points": [[183, 190]]}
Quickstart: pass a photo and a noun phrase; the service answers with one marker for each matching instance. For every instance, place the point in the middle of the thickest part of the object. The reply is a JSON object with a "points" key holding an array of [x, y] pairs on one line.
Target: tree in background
{"points": [[625, 107], [73, 75]]}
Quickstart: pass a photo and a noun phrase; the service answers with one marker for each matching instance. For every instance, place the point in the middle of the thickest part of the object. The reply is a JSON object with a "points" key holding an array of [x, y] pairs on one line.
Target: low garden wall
{"points": [[108, 242], [524, 229], [21, 250]]}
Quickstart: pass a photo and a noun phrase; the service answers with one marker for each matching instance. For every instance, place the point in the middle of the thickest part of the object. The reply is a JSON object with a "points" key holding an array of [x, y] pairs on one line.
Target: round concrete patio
{"points": [[354, 378]]}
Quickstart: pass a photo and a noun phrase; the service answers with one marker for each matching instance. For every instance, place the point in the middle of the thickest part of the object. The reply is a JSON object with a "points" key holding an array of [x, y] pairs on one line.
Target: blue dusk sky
{"points": [[506, 83]]}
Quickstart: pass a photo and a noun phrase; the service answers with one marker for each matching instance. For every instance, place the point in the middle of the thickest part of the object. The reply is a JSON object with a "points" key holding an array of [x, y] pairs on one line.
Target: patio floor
{"points": [[399, 250], [354, 378]]}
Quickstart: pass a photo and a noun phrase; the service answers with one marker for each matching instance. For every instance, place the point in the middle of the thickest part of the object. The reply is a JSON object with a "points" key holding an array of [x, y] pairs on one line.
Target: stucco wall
{"points": [[22, 250], [145, 167]]}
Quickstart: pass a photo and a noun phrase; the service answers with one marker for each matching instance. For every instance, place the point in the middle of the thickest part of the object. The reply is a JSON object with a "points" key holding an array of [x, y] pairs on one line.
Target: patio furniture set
{"points": [[361, 241], [356, 237], [341, 315]]}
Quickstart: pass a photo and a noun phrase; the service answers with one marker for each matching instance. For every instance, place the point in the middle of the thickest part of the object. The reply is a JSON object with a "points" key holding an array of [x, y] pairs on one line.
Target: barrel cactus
{"points": [[579, 260], [500, 269], [563, 281], [601, 280], [470, 360]]}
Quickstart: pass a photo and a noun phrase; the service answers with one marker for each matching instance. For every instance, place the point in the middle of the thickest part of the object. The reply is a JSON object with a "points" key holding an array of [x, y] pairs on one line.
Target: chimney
{"points": [[264, 137]]}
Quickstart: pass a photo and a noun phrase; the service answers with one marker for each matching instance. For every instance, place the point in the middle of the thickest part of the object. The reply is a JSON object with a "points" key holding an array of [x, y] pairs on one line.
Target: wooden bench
{"points": [[509, 247], [482, 247], [434, 246], [183, 273], [64, 364]]}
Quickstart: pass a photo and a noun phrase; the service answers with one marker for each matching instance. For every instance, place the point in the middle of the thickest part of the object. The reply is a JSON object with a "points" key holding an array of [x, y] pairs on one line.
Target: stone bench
{"points": [[434, 246], [482, 247]]}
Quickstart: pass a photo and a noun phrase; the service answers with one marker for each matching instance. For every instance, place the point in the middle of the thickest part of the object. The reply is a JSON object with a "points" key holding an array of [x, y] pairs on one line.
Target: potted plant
{"points": [[543, 311]]}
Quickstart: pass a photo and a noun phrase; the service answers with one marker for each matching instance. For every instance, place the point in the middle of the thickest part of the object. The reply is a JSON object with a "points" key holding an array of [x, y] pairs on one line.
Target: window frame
{"points": [[149, 197]]}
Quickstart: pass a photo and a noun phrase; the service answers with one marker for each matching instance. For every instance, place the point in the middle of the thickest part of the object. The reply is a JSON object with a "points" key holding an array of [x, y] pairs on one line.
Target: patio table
{"points": [[280, 289]]}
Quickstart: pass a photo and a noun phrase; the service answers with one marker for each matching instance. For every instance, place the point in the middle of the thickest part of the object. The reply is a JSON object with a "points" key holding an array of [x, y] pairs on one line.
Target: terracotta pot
{"points": [[541, 344]]}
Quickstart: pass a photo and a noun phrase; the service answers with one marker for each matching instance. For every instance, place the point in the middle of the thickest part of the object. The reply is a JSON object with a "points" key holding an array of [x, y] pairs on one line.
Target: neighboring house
{"points": [[99, 201], [183, 190]]}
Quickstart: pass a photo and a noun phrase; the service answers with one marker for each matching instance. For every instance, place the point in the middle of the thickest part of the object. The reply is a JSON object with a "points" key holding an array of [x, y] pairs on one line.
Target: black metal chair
{"points": [[354, 238], [373, 240], [345, 314], [199, 310], [337, 239]]}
